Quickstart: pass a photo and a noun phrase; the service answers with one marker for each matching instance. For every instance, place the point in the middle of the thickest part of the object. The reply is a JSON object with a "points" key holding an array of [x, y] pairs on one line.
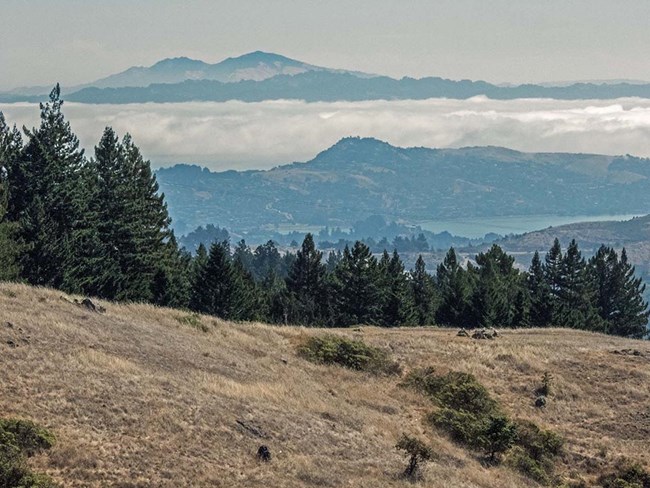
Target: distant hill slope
{"points": [[633, 235], [323, 86], [589, 235], [136, 397], [357, 178]]}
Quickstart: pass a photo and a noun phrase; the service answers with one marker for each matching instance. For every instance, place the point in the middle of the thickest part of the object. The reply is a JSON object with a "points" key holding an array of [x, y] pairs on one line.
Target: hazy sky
{"points": [[74, 41]]}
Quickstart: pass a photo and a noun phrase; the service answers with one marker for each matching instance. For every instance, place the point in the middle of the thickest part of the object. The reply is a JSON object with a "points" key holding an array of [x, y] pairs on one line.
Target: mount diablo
{"points": [[357, 178], [260, 76]]}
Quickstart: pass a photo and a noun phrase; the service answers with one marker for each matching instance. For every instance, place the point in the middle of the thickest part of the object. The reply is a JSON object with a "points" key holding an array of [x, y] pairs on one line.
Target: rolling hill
{"points": [[357, 178], [143, 396]]}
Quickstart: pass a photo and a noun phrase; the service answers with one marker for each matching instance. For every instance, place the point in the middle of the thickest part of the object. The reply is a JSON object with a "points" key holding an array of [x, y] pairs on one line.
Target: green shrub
{"points": [[193, 320], [27, 436], [349, 353], [499, 435], [20, 439], [540, 444], [473, 418], [520, 460], [419, 453], [627, 475], [535, 451], [455, 390], [463, 427]]}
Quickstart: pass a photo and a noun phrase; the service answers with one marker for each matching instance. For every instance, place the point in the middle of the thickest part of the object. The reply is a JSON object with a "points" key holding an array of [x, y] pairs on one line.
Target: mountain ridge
{"points": [[359, 177], [259, 76]]}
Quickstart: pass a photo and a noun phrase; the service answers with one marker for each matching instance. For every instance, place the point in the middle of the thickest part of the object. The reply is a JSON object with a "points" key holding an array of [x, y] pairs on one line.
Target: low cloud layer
{"points": [[236, 135]]}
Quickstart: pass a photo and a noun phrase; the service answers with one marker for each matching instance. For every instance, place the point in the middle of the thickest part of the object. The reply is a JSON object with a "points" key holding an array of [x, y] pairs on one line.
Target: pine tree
{"points": [[498, 286], [576, 294], [539, 291], [619, 296], [51, 204], [10, 149], [357, 287], [553, 276], [423, 292], [214, 292], [244, 255], [397, 306], [267, 258], [199, 262], [171, 281], [455, 289], [144, 225], [245, 302], [306, 283]]}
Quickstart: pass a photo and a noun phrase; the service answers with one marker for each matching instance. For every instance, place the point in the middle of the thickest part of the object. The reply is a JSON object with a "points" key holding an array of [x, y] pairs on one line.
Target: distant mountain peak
{"points": [[355, 148], [263, 56], [180, 60]]}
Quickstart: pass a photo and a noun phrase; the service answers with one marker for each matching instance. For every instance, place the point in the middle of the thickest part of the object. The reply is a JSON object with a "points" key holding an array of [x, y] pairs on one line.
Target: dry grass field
{"points": [[139, 396]]}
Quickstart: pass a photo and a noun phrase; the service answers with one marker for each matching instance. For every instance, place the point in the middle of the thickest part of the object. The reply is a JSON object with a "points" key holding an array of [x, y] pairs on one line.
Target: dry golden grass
{"points": [[136, 397]]}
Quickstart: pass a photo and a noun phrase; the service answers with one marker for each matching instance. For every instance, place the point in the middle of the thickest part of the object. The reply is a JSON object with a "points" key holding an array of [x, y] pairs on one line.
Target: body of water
{"points": [[478, 227]]}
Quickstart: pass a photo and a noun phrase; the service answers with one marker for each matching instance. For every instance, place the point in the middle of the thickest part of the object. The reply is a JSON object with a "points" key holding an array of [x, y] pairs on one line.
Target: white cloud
{"points": [[258, 135]]}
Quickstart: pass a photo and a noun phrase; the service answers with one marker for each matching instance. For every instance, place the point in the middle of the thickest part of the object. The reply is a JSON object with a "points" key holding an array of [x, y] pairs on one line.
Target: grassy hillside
{"points": [[144, 396]]}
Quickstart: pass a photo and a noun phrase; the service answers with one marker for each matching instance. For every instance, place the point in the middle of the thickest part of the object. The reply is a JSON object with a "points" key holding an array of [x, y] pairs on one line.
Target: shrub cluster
{"points": [[473, 418], [194, 321], [349, 353], [535, 451], [20, 439], [626, 476]]}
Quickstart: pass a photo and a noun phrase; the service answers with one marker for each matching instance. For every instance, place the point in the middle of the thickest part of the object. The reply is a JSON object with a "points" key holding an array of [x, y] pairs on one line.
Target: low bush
{"points": [[521, 461], [536, 451], [20, 439], [626, 475], [454, 390], [473, 418], [349, 353], [463, 427], [194, 321], [418, 452], [544, 389]]}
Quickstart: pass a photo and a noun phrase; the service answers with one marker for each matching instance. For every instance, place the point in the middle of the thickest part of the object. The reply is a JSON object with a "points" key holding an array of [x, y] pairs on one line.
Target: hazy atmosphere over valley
{"points": [[331, 243]]}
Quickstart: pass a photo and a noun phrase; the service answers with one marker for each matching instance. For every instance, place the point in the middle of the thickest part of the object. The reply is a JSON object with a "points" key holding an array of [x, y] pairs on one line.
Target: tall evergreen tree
{"points": [[553, 276], [356, 282], [10, 149], [306, 283], [576, 293], [455, 289], [149, 224], [619, 296], [498, 287], [539, 291], [397, 306], [423, 291], [267, 259], [53, 201], [214, 293]]}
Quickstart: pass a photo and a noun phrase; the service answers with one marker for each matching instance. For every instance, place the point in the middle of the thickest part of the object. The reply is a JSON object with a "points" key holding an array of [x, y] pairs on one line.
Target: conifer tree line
{"points": [[99, 226]]}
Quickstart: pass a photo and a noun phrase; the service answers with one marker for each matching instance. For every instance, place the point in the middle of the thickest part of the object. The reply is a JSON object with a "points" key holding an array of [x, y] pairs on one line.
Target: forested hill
{"points": [[357, 178], [628, 233]]}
